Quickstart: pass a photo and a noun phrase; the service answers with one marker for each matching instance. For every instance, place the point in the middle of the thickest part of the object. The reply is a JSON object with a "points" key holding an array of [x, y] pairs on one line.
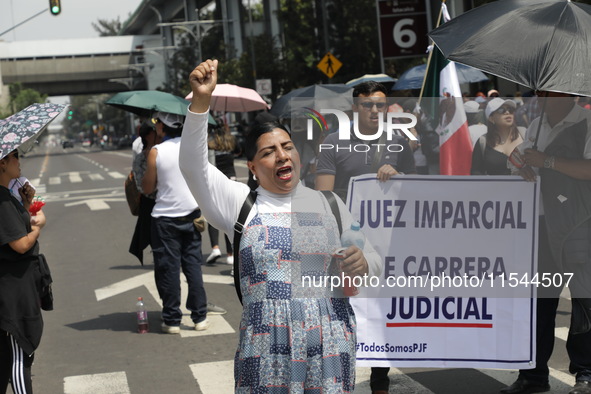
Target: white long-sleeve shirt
{"points": [[221, 199]]}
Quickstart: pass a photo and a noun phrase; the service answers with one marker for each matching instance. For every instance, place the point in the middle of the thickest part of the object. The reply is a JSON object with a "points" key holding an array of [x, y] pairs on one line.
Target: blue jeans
{"points": [[176, 244]]}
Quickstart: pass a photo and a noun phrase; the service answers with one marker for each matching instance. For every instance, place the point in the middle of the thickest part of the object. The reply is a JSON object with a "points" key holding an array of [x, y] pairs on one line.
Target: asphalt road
{"points": [[90, 343]]}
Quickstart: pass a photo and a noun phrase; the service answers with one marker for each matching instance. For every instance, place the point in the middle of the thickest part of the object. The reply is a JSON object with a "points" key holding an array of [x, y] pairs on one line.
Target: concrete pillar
{"points": [[275, 28], [4, 93], [232, 27]]}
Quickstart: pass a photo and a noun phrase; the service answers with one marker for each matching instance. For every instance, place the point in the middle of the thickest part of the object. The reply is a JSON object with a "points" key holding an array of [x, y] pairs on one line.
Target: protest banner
{"points": [[459, 278]]}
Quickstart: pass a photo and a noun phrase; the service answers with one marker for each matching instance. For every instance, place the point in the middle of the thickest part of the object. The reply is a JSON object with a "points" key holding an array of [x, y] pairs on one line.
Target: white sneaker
{"points": [[213, 256], [170, 329], [202, 325], [230, 259]]}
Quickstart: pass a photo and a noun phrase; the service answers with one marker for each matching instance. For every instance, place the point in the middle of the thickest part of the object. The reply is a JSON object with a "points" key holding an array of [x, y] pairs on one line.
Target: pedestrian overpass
{"points": [[83, 66]]}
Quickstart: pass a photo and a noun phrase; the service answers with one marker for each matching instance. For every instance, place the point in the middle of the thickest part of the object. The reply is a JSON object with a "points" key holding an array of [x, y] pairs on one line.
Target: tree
{"points": [[107, 28], [353, 38], [86, 110], [21, 98], [301, 51]]}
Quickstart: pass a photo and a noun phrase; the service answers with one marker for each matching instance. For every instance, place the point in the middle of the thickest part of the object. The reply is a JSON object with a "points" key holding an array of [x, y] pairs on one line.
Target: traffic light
{"points": [[55, 7], [70, 114]]}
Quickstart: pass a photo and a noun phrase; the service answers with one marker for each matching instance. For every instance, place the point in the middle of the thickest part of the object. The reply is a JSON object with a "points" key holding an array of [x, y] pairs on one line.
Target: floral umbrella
{"points": [[21, 130]]}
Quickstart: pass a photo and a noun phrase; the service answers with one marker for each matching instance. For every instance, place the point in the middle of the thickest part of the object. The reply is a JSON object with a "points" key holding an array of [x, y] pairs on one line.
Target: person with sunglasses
{"points": [[355, 157], [492, 149], [21, 323]]}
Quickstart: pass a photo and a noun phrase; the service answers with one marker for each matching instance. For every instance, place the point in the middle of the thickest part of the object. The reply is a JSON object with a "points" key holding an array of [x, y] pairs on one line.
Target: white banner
{"points": [[459, 279]]}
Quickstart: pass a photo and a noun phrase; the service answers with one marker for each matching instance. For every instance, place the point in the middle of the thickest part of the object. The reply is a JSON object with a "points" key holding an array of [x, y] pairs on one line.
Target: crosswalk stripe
{"points": [[222, 370], [561, 332], [75, 177], [218, 279], [116, 175], [402, 382], [224, 383], [112, 383], [55, 180], [560, 382], [96, 177], [218, 324]]}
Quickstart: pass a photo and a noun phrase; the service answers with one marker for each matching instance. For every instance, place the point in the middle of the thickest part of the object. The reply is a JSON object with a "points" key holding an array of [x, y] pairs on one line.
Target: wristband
{"points": [[549, 162]]}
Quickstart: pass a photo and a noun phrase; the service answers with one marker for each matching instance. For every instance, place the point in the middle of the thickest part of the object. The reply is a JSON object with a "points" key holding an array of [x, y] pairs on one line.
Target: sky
{"points": [[75, 20]]}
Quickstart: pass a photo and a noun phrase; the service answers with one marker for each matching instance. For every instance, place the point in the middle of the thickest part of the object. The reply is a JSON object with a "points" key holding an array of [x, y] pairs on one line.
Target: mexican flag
{"points": [[455, 144]]}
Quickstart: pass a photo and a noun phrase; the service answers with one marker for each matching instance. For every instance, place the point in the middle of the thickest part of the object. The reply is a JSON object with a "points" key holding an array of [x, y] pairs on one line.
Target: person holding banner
{"points": [[356, 157], [563, 161], [492, 149], [293, 337], [336, 167]]}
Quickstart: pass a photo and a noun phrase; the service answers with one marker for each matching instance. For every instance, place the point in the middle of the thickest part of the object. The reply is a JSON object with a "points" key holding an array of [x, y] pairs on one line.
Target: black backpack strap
{"points": [[238, 228], [334, 207]]}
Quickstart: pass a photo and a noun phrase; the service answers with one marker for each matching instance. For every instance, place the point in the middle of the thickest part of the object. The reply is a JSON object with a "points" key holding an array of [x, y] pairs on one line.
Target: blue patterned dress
{"points": [[293, 338]]}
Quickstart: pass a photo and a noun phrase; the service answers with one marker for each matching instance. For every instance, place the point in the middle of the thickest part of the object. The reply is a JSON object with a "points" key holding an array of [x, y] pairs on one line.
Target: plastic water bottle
{"points": [[142, 316], [352, 237]]}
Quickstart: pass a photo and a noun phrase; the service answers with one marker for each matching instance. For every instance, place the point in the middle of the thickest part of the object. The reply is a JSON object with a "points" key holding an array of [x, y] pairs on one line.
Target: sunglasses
{"points": [[368, 105], [502, 110]]}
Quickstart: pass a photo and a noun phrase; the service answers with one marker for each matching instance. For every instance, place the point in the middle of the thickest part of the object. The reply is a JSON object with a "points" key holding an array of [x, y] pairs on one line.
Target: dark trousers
{"points": [[578, 346], [176, 245], [15, 366], [379, 380], [214, 235]]}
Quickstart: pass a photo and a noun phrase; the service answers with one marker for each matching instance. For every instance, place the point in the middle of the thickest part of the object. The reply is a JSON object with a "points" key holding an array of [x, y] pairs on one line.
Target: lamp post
{"points": [[198, 23], [196, 37], [160, 24]]}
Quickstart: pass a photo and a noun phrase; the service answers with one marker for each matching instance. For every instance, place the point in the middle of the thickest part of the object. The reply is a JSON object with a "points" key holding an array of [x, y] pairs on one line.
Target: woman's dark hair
{"points": [[253, 136], [492, 134], [145, 129], [368, 88]]}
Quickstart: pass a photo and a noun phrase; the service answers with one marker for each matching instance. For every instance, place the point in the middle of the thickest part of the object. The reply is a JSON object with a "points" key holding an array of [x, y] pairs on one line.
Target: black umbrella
{"points": [[542, 44]]}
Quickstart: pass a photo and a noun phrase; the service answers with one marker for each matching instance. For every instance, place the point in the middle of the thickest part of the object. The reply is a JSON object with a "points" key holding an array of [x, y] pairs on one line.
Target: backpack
{"points": [[240, 223]]}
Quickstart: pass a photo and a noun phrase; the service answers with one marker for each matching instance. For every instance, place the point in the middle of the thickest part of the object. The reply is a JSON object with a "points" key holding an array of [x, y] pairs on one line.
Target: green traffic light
{"points": [[55, 7]]}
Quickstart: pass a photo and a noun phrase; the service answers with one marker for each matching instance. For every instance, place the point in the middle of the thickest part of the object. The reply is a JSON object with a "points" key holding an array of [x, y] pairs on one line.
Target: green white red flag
{"points": [[455, 144]]}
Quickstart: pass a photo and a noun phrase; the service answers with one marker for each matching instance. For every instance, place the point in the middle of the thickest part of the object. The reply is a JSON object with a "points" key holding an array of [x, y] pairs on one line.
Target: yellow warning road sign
{"points": [[329, 65]]}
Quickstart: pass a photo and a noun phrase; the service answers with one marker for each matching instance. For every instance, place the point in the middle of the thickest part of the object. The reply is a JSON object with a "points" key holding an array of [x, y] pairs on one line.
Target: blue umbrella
{"points": [[413, 78], [382, 78]]}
